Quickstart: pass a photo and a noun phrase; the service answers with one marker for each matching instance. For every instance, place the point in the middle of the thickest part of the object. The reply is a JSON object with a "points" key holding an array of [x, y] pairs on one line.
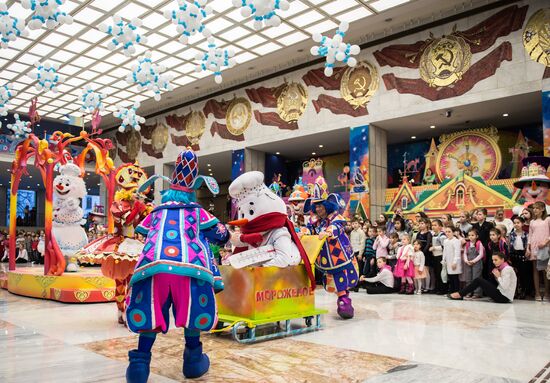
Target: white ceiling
{"points": [[81, 49]]}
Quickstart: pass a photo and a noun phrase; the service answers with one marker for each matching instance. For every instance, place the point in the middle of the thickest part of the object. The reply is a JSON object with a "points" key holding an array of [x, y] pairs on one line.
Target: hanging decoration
{"points": [[215, 59], [91, 100], [124, 34], [264, 12], [20, 129], [335, 49], [6, 94], [47, 76], [46, 12], [189, 18], [129, 118], [147, 75], [10, 27]]}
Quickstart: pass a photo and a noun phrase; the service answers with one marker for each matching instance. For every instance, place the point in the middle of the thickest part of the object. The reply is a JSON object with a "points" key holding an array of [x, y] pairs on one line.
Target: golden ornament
{"points": [[445, 61], [359, 84], [238, 116], [536, 37], [292, 101], [159, 138], [195, 125], [133, 146]]}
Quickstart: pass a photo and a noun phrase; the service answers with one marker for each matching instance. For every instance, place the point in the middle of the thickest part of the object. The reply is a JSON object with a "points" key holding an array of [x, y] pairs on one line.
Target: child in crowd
{"points": [[538, 249], [473, 256], [419, 268], [383, 282], [357, 239], [497, 244], [381, 243], [392, 250], [464, 223], [447, 220], [438, 237], [400, 228], [424, 236], [369, 268], [404, 270], [23, 256], [451, 258], [518, 246]]}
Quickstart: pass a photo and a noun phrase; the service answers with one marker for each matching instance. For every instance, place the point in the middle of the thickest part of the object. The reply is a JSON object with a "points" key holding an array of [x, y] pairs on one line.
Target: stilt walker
{"points": [[176, 270], [336, 257]]}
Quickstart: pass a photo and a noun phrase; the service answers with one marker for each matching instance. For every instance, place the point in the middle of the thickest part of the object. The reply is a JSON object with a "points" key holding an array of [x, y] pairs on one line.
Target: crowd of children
{"points": [[446, 255]]}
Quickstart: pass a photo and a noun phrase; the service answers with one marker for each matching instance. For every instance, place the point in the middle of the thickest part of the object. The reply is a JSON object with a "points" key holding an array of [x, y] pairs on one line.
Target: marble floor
{"points": [[391, 339]]}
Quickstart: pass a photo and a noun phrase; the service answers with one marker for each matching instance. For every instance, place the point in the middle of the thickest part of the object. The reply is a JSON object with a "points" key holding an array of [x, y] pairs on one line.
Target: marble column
{"points": [[254, 160], [546, 115], [378, 170]]}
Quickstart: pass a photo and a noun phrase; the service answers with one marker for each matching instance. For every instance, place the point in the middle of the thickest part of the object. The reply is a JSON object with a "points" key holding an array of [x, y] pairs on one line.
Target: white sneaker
{"points": [[419, 292]]}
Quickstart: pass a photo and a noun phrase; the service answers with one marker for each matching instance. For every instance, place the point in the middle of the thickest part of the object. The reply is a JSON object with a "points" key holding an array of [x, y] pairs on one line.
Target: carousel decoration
{"points": [[10, 27], [189, 18], [536, 37], [47, 76], [334, 49], [148, 76], [130, 118], [238, 116], [92, 100], [264, 12], [46, 12], [359, 84], [118, 251], [6, 94], [124, 34], [292, 102], [214, 60]]}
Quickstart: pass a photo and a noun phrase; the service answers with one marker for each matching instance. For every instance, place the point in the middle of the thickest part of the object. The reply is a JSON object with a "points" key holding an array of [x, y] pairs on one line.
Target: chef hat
{"points": [[246, 184]]}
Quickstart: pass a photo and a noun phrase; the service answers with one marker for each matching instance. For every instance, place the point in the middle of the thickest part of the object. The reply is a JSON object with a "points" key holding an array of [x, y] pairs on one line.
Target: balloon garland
{"points": [[124, 34], [264, 12], [47, 76], [129, 118], [147, 75], [335, 49], [10, 27], [20, 128], [214, 60], [92, 100], [46, 12], [6, 94], [189, 18]]}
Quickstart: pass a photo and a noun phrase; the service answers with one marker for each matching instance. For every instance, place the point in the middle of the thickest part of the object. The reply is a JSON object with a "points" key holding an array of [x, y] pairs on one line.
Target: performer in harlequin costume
{"points": [[118, 252], [176, 270], [336, 256]]}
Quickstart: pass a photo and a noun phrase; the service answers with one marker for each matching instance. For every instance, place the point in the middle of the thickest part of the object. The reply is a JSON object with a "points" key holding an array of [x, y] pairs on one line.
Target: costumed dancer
{"points": [[118, 252], [176, 269], [263, 222], [67, 216], [336, 256], [296, 202]]}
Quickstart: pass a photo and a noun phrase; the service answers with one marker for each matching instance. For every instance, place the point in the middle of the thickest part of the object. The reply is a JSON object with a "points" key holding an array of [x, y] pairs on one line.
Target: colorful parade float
{"points": [[460, 174]]}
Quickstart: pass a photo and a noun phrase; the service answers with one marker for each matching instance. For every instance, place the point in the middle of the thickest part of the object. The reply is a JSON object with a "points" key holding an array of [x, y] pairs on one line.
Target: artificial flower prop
{"points": [[92, 100], [20, 129], [264, 12], [129, 118], [189, 18], [335, 49], [47, 76], [10, 27], [6, 94], [124, 34], [214, 60], [46, 12], [148, 76]]}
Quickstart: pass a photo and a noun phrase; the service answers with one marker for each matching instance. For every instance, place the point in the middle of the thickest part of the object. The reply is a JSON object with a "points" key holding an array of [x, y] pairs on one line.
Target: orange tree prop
{"points": [[47, 154]]}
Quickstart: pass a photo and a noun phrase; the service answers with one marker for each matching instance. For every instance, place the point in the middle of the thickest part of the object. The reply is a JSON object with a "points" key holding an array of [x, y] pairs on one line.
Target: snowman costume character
{"points": [[263, 221], [176, 269], [67, 219], [336, 256]]}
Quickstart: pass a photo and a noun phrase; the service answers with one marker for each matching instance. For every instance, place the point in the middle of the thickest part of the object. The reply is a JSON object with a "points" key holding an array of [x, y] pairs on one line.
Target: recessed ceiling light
{"points": [[277, 153], [413, 137], [321, 146], [37, 184], [313, 153], [505, 115], [432, 126], [28, 187], [208, 165]]}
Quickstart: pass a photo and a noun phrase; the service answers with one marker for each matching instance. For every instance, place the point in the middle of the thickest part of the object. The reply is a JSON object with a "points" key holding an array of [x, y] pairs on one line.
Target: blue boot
{"points": [[138, 369], [195, 363]]}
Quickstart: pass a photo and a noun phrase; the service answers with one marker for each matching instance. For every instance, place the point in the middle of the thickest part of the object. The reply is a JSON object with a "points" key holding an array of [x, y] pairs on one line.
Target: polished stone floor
{"points": [[392, 339]]}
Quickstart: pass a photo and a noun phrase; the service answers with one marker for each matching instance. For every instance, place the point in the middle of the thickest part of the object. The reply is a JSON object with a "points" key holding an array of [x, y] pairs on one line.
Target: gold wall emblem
{"points": [[133, 146], [159, 138], [359, 84], [238, 116], [536, 37], [445, 60], [195, 126], [292, 101]]}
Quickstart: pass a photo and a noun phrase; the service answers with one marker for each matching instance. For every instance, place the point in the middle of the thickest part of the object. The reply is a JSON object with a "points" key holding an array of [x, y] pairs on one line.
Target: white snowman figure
{"points": [[70, 236], [263, 222]]}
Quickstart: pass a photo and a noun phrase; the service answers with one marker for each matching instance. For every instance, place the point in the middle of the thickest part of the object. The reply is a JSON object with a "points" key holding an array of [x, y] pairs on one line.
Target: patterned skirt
{"points": [[192, 302]]}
